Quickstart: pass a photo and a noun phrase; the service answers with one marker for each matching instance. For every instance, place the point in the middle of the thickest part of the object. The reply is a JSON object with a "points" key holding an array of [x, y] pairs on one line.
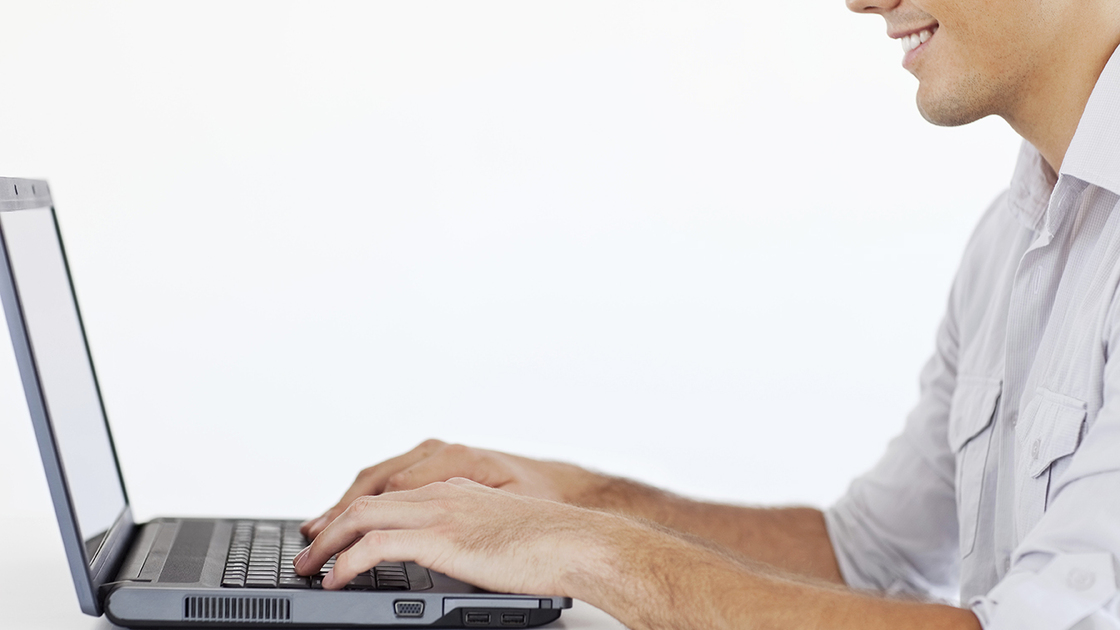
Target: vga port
{"points": [[408, 608]]}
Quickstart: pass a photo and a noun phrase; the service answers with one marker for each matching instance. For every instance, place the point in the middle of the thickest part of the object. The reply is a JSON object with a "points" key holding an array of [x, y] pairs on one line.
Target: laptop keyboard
{"points": [[261, 554]]}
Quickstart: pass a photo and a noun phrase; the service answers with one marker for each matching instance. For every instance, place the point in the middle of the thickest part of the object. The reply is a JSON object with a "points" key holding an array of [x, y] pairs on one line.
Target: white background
{"points": [[704, 244]]}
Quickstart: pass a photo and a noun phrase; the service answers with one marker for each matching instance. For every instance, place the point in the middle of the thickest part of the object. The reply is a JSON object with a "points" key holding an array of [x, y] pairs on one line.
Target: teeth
{"points": [[910, 42]]}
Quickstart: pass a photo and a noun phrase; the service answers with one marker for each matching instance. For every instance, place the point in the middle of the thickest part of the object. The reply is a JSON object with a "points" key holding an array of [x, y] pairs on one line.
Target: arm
{"points": [[645, 576], [792, 539], [641, 583]]}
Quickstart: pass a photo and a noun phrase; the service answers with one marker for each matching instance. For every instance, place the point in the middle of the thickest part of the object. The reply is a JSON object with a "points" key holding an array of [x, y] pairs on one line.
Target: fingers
{"points": [[366, 517], [375, 547], [370, 481], [481, 535], [450, 461]]}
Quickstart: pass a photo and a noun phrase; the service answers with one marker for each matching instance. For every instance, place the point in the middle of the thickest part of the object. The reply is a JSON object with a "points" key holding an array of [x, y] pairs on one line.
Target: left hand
{"points": [[484, 536], [434, 460]]}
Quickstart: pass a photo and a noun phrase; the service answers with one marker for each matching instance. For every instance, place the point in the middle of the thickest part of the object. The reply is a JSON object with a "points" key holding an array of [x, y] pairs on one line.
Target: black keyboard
{"points": [[261, 554]]}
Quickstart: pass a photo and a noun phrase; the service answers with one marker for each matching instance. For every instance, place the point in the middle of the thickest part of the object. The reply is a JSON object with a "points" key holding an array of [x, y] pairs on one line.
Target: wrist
{"points": [[577, 485], [632, 570], [598, 558], [625, 496]]}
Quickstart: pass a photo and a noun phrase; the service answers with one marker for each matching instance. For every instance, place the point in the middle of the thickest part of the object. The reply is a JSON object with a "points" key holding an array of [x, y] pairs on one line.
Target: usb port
{"points": [[515, 619], [476, 618]]}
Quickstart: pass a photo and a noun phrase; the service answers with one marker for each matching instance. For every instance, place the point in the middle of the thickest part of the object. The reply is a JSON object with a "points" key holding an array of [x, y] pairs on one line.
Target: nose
{"points": [[872, 6]]}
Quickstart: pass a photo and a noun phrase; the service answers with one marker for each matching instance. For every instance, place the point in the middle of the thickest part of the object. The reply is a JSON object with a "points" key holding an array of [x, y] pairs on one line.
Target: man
{"points": [[1005, 482]]}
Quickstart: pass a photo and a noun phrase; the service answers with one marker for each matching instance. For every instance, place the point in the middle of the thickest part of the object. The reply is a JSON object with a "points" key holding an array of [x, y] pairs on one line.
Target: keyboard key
{"points": [[261, 553], [362, 581]]}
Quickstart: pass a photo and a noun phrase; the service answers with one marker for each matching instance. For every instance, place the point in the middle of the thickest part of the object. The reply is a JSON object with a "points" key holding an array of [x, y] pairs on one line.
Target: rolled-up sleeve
{"points": [[1073, 590], [895, 530]]}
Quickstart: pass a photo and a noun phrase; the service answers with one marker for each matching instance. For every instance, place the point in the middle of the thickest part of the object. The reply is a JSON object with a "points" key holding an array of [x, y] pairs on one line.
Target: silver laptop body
{"points": [[175, 572]]}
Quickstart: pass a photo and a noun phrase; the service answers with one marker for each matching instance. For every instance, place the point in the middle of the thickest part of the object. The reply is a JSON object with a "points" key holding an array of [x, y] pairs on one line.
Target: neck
{"points": [[1048, 114]]}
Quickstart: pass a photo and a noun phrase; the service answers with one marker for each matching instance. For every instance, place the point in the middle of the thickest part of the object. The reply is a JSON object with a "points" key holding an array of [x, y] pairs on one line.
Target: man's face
{"points": [[979, 57]]}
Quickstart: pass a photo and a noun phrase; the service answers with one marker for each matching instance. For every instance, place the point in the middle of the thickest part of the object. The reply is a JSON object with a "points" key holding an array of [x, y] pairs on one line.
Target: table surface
{"points": [[39, 594]]}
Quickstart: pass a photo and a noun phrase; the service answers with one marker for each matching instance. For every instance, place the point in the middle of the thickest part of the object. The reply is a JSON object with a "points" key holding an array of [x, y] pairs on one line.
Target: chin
{"points": [[949, 107]]}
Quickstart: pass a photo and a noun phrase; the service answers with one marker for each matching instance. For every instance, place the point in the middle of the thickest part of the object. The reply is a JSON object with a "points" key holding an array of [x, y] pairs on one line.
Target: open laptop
{"points": [[180, 572]]}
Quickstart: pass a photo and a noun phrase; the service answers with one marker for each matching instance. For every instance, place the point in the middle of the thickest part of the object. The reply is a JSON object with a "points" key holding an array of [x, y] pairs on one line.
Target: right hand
{"points": [[434, 461]]}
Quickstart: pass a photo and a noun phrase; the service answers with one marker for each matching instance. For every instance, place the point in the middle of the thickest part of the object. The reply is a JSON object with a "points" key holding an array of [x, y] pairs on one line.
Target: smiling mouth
{"points": [[913, 40]]}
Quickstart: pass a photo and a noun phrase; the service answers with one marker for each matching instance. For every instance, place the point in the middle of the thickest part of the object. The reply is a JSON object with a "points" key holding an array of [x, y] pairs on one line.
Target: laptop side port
{"points": [[476, 618], [515, 619], [408, 608]]}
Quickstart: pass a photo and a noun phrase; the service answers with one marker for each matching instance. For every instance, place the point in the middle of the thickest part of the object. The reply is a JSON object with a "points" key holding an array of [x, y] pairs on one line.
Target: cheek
{"points": [[959, 60]]}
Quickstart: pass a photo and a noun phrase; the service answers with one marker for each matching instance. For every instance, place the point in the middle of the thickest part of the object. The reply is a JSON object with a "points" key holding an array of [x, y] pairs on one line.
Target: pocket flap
{"points": [[973, 406], [1053, 430]]}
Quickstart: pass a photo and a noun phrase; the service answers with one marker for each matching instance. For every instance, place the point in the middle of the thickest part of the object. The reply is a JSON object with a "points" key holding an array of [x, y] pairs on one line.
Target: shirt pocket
{"points": [[970, 421], [1048, 433]]}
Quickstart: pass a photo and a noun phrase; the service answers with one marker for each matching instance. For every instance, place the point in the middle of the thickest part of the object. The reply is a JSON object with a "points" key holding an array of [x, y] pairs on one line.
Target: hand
{"points": [[648, 579], [434, 461], [487, 537]]}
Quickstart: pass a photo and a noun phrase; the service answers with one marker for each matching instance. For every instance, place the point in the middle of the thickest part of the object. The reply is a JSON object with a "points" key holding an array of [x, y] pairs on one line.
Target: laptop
{"points": [[181, 572]]}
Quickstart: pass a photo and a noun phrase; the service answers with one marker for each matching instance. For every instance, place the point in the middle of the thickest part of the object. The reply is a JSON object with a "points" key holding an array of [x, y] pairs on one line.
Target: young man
{"points": [[1005, 483]]}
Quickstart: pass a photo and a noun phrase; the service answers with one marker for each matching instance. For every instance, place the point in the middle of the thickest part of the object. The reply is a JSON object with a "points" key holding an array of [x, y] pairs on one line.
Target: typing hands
{"points": [[434, 461], [485, 536]]}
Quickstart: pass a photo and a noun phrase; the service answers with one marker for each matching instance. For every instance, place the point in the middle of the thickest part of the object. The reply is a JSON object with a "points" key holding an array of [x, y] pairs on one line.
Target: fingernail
{"points": [[300, 556], [328, 579], [318, 523]]}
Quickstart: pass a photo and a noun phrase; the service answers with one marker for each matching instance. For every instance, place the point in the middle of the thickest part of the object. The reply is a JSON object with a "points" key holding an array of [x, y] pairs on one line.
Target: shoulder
{"points": [[997, 241]]}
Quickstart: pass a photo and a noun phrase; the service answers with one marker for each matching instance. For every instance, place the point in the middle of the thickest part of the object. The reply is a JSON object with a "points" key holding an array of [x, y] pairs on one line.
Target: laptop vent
{"points": [[266, 609]]}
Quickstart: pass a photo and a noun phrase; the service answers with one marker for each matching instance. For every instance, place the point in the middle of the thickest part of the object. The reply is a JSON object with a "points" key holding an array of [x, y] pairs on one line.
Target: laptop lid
{"points": [[63, 396]]}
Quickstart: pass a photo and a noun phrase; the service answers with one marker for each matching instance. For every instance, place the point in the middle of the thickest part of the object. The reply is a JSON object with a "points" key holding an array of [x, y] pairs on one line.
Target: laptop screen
{"points": [[58, 343]]}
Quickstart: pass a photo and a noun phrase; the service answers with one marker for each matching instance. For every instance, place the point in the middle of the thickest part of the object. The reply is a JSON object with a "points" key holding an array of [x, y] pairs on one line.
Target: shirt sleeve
{"points": [[1063, 574], [895, 530]]}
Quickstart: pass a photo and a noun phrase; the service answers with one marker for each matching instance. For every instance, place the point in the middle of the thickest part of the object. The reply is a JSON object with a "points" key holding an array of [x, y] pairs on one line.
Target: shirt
{"points": [[1005, 481]]}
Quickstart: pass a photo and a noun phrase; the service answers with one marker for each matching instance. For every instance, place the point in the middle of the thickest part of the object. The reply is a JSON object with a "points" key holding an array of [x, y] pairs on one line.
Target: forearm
{"points": [[651, 580], [792, 539]]}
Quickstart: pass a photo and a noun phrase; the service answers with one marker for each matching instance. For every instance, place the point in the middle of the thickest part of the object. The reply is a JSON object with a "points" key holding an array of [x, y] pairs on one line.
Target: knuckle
{"points": [[430, 444], [457, 450], [443, 490], [397, 481], [375, 539], [362, 505]]}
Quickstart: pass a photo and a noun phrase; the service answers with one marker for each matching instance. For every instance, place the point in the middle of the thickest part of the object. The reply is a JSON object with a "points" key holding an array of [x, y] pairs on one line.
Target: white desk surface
{"points": [[38, 593]]}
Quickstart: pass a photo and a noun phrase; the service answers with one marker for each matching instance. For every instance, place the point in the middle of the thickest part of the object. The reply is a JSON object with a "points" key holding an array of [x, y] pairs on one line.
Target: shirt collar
{"points": [[1092, 156], [1031, 187], [1094, 153]]}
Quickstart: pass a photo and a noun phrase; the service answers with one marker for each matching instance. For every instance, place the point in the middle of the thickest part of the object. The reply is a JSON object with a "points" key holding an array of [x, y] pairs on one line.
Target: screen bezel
{"points": [[89, 573]]}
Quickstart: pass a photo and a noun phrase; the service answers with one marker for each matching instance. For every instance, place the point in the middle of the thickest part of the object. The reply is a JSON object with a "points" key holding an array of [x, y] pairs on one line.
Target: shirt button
{"points": [[1035, 448], [1080, 579], [1007, 565]]}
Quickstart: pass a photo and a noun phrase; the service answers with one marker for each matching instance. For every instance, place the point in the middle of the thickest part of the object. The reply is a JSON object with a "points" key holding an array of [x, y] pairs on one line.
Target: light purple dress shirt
{"points": [[1004, 485]]}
